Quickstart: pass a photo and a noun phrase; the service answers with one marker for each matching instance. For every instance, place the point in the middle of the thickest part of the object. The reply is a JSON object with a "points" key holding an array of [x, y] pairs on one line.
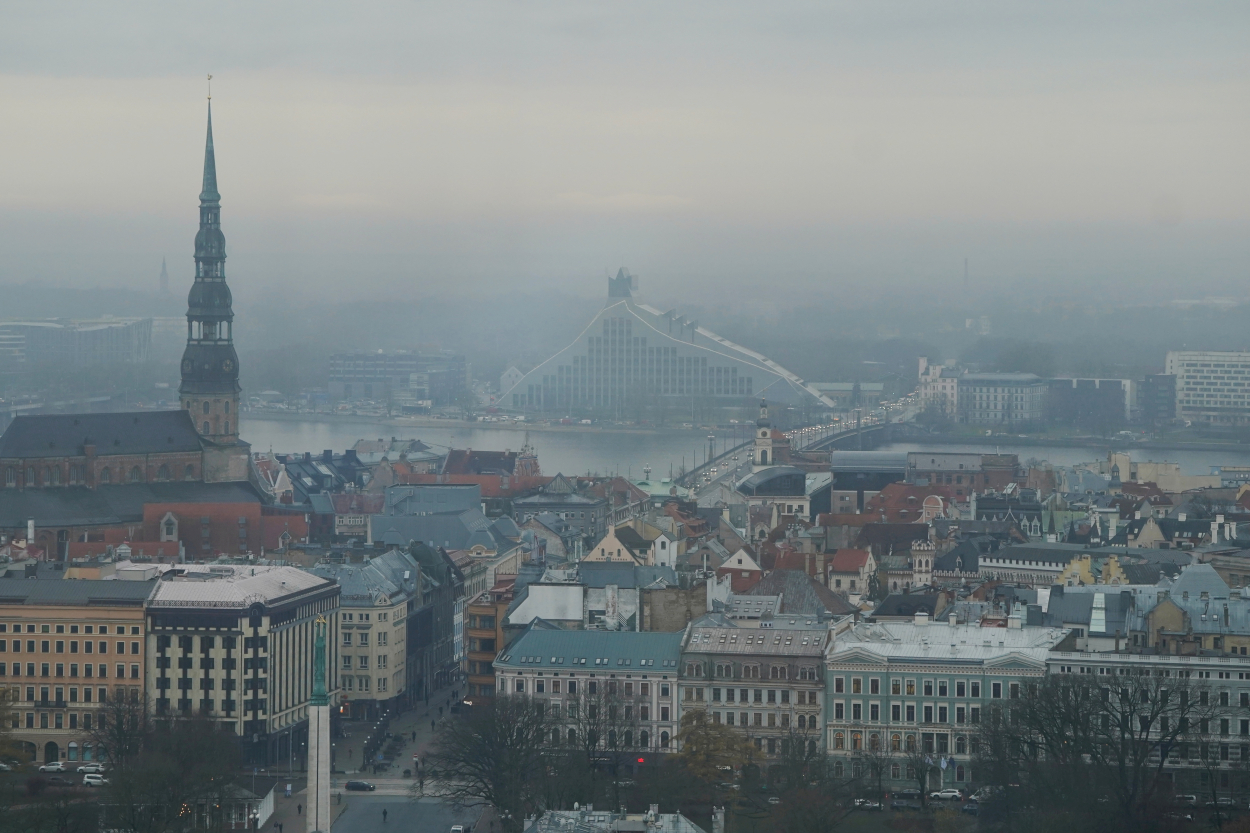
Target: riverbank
{"points": [[435, 422], [1079, 442]]}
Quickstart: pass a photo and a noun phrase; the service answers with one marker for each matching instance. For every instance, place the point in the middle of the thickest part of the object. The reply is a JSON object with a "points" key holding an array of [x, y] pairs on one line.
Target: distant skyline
{"points": [[464, 147]]}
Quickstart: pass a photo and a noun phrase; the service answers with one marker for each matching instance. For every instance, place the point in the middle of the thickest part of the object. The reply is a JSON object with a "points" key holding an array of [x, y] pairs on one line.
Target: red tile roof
{"points": [[848, 561]]}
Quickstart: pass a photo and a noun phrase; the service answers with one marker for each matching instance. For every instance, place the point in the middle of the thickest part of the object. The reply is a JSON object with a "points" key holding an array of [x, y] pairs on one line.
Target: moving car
{"points": [[772, 799], [904, 804], [55, 766], [360, 786], [58, 781], [94, 780], [867, 804], [457, 828], [948, 794], [96, 768]]}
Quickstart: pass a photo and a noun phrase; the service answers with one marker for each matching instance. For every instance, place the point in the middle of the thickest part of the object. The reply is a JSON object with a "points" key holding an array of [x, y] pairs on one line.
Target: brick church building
{"points": [[184, 476]]}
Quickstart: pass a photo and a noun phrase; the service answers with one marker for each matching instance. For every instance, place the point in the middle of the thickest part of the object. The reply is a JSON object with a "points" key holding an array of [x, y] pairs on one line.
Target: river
{"points": [[575, 450], [580, 450]]}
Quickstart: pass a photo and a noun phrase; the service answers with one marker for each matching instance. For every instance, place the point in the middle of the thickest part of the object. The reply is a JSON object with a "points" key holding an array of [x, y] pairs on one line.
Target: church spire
{"points": [[209, 192], [210, 366]]}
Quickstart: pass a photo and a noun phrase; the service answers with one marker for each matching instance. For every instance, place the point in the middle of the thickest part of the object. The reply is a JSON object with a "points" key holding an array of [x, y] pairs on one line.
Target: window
{"points": [[996, 690]]}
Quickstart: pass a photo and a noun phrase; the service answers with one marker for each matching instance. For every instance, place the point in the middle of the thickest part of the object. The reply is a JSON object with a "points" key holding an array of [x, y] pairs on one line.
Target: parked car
{"points": [[94, 780], [912, 794], [1178, 800], [360, 786], [58, 781], [772, 799], [5, 767], [867, 804], [971, 809], [96, 768], [948, 794], [1221, 803], [904, 804], [457, 828], [55, 766]]}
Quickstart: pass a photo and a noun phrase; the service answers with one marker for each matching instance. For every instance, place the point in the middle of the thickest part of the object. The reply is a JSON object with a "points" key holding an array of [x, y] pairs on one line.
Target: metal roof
{"points": [[234, 586], [788, 642], [601, 651], [64, 435], [88, 592]]}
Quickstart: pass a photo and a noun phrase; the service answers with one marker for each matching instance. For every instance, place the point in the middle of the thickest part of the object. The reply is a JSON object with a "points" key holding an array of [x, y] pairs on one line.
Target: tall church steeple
{"points": [[210, 365]]}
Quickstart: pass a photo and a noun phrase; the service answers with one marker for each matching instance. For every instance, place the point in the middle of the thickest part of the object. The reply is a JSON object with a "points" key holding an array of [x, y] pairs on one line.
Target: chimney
{"points": [[922, 618], [718, 819], [327, 456], [1013, 621], [953, 621]]}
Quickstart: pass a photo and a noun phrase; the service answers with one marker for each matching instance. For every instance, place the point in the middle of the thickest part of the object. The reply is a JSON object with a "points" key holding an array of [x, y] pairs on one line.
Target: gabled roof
{"points": [[107, 505], [741, 560], [64, 435], [848, 561], [801, 595], [468, 461]]}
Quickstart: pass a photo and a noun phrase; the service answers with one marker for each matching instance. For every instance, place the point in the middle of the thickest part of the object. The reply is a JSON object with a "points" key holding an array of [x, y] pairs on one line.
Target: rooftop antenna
{"points": [[210, 86]]}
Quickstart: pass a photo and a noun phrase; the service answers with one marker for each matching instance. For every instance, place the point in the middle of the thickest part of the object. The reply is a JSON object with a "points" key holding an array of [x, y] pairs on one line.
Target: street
{"points": [[427, 815]]}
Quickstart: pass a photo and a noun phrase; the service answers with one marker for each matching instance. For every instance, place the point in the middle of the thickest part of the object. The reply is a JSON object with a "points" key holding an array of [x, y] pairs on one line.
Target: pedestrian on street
{"points": [[299, 809], [383, 815], [414, 734], [431, 725]]}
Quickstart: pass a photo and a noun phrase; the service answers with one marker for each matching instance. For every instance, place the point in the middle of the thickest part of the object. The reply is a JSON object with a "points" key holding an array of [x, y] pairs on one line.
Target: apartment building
{"points": [[564, 667], [236, 643], [484, 636], [1211, 387], [921, 686], [766, 678], [66, 649], [1001, 399], [374, 602]]}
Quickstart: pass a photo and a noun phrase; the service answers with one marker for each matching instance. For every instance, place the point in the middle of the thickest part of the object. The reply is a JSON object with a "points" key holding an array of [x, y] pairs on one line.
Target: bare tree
{"points": [[1097, 746], [496, 756], [707, 748]]}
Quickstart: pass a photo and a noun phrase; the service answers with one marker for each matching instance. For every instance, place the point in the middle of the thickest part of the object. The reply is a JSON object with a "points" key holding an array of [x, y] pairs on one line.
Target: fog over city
{"points": [[844, 152]]}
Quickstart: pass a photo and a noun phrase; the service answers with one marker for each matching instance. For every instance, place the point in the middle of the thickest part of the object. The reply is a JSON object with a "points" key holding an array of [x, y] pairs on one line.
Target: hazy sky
{"points": [[460, 146]]}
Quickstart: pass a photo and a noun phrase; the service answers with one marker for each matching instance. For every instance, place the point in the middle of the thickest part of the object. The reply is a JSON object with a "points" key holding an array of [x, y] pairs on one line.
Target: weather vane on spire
{"points": [[210, 86]]}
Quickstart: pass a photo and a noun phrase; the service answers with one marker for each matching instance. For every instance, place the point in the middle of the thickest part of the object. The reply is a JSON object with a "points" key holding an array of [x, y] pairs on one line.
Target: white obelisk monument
{"points": [[319, 738]]}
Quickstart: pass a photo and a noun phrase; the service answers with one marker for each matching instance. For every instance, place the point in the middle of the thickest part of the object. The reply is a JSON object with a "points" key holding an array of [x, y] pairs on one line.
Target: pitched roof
{"points": [[468, 461], [848, 561], [61, 591], [801, 594], [106, 505], [64, 435], [645, 651], [907, 604]]}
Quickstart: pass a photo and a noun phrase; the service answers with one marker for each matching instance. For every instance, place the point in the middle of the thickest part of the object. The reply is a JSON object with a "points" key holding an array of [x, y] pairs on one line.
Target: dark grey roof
{"points": [[875, 461], [1075, 607], [388, 577], [774, 480], [64, 435], [80, 506], [62, 591], [801, 594], [906, 604], [450, 530], [603, 573]]}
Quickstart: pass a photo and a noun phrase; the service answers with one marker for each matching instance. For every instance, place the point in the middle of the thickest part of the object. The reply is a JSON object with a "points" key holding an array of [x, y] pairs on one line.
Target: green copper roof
{"points": [[209, 194]]}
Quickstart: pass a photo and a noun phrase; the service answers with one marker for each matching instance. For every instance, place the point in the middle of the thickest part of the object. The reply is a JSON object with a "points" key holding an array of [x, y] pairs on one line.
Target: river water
{"points": [[578, 450]]}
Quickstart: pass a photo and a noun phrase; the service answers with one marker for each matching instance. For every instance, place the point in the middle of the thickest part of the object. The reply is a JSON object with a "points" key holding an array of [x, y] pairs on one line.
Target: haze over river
{"points": [[578, 450]]}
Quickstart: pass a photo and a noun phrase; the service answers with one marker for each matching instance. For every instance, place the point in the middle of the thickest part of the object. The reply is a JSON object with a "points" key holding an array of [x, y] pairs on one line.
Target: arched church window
{"points": [[136, 475], [106, 476], [207, 429], [206, 407], [226, 405], [189, 472], [162, 473]]}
